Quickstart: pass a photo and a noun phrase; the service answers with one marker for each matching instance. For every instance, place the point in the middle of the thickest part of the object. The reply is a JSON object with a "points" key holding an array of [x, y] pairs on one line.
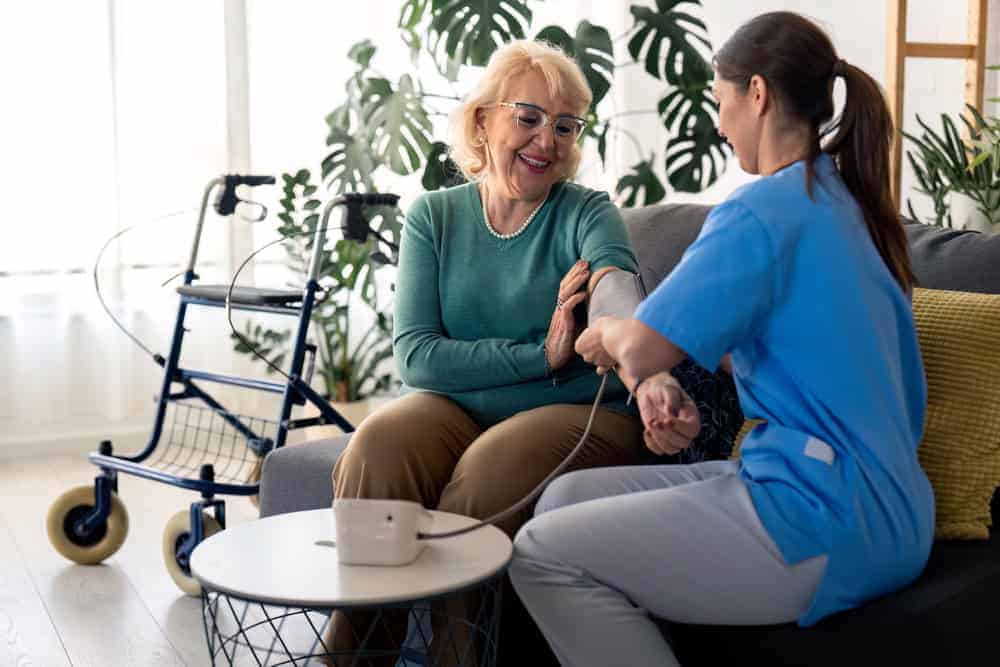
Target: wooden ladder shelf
{"points": [[899, 49]]}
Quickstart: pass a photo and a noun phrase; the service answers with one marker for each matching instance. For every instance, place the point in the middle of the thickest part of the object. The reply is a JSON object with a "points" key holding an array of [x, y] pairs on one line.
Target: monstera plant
{"points": [[385, 125]]}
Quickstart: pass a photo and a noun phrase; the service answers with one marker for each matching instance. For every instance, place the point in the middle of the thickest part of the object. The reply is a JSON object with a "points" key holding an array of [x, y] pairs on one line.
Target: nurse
{"points": [[800, 282]]}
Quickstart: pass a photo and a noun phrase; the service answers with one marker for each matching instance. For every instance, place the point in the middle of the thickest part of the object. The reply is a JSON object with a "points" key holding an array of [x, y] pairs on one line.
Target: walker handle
{"points": [[371, 198], [225, 203], [252, 181]]}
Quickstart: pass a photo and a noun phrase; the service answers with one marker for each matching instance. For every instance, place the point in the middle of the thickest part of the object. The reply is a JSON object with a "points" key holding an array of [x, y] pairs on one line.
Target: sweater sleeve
{"points": [[425, 356], [602, 237]]}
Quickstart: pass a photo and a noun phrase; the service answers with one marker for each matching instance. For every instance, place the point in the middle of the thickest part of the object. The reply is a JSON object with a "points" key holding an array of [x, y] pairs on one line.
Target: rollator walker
{"points": [[197, 443]]}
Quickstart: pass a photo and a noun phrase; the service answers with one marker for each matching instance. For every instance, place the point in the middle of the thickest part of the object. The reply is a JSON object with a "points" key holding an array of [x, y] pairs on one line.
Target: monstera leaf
{"points": [[602, 143], [682, 64], [440, 171], [349, 166], [412, 13], [696, 154], [399, 124], [387, 223], [471, 30], [362, 52], [695, 160], [410, 16], [592, 50], [641, 180]]}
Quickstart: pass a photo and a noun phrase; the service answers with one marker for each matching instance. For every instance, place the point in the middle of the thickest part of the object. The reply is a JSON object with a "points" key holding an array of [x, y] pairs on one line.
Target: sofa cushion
{"points": [[960, 451], [660, 235], [942, 258], [939, 620], [954, 260], [299, 477]]}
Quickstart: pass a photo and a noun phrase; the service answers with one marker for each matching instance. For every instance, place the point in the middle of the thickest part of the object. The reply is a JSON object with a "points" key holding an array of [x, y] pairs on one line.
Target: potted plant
{"points": [[384, 126], [962, 177]]}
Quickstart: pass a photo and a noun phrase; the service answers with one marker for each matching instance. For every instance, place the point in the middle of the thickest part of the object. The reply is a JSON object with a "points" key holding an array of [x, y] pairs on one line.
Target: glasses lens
{"points": [[568, 128], [527, 117]]}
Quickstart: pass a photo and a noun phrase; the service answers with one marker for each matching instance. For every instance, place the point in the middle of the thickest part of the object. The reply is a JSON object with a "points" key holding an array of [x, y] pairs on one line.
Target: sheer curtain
{"points": [[115, 116]]}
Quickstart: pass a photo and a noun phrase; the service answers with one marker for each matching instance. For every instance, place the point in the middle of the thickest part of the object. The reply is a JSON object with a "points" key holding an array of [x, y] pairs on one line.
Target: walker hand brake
{"points": [[226, 201]]}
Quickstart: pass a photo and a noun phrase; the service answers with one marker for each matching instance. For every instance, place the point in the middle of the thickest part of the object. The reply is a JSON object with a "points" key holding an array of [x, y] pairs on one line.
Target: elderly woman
{"points": [[489, 275]]}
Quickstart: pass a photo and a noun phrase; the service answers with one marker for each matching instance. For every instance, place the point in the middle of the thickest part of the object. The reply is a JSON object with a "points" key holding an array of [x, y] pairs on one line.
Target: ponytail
{"points": [[861, 148], [797, 59]]}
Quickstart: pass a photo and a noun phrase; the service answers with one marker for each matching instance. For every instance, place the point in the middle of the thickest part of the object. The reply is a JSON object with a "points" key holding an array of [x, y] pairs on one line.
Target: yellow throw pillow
{"points": [[959, 336], [960, 342], [744, 430]]}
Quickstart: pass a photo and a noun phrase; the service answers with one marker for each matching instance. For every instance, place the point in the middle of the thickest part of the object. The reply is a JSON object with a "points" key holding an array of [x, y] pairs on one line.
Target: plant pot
{"points": [[353, 411], [965, 214]]}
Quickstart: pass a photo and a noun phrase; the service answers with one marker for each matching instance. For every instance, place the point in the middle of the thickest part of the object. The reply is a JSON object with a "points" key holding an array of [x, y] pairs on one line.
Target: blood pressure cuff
{"points": [[617, 294]]}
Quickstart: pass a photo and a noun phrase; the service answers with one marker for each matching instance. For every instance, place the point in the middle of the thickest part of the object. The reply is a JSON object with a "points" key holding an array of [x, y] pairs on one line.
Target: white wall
{"points": [[858, 30]]}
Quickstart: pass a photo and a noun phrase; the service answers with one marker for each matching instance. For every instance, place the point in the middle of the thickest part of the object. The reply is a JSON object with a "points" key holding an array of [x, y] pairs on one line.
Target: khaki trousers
{"points": [[424, 447]]}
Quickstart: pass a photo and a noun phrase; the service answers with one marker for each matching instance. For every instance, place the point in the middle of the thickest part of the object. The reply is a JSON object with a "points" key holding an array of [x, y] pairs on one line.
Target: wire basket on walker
{"points": [[196, 443]]}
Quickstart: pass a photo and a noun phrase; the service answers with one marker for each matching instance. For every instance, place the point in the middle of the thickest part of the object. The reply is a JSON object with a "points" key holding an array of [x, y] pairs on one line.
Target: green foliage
{"points": [[641, 180], [384, 124], [469, 31], [593, 51], [664, 27], [398, 124], [943, 163], [348, 368]]}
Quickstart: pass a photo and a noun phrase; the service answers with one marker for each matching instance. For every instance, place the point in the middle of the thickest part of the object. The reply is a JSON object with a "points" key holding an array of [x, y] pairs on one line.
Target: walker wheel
{"points": [[93, 547], [174, 535]]}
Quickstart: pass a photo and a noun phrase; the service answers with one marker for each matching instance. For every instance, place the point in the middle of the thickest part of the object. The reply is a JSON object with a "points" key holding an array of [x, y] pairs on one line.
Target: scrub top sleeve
{"points": [[719, 294]]}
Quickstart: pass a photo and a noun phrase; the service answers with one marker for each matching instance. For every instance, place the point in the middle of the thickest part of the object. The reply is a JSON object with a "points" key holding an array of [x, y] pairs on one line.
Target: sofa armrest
{"points": [[299, 477]]}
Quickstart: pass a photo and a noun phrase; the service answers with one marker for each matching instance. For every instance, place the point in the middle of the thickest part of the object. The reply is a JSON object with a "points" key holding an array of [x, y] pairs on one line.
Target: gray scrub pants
{"points": [[608, 548]]}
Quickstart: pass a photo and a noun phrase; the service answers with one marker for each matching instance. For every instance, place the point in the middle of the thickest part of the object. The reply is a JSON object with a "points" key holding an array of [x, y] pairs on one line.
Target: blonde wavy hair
{"points": [[565, 82]]}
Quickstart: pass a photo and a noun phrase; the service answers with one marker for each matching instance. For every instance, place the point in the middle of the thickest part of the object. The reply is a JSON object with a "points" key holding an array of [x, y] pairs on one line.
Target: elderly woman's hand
{"points": [[562, 327], [670, 416]]}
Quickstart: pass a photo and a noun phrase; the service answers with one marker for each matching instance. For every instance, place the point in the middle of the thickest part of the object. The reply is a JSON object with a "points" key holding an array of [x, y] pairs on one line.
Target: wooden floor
{"points": [[125, 612]]}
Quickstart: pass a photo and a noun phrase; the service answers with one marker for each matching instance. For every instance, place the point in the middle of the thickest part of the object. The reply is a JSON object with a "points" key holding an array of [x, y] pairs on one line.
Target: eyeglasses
{"points": [[566, 128]]}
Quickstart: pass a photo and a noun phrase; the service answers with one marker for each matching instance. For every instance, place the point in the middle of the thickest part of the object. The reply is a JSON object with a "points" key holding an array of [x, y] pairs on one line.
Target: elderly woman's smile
{"points": [[536, 164]]}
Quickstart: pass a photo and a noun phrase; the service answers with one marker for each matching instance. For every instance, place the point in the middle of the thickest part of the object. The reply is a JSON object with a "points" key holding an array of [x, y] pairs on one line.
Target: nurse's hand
{"points": [[668, 414], [590, 346]]}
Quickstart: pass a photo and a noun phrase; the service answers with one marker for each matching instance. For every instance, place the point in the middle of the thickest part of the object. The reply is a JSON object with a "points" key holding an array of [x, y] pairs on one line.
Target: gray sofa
{"points": [[948, 617]]}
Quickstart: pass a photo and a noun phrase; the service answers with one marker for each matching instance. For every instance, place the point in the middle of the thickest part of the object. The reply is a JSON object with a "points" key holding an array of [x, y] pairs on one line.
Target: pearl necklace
{"points": [[517, 232]]}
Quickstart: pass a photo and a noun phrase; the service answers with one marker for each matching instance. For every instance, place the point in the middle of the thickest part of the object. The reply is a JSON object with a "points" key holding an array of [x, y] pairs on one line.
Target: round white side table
{"points": [[268, 590]]}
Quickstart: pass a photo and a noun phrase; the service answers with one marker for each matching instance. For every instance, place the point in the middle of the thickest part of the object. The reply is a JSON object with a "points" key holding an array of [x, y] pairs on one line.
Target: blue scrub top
{"points": [[824, 348]]}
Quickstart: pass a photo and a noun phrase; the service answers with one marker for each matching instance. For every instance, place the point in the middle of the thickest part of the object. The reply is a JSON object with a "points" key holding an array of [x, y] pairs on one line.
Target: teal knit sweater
{"points": [[472, 310]]}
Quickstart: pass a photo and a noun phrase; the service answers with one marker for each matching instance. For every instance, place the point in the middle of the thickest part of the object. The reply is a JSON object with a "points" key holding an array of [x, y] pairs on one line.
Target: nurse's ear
{"points": [[759, 95]]}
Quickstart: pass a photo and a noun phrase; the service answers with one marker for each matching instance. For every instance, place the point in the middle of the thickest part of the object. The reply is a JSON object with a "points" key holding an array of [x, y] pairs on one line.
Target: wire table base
{"points": [[246, 632]]}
